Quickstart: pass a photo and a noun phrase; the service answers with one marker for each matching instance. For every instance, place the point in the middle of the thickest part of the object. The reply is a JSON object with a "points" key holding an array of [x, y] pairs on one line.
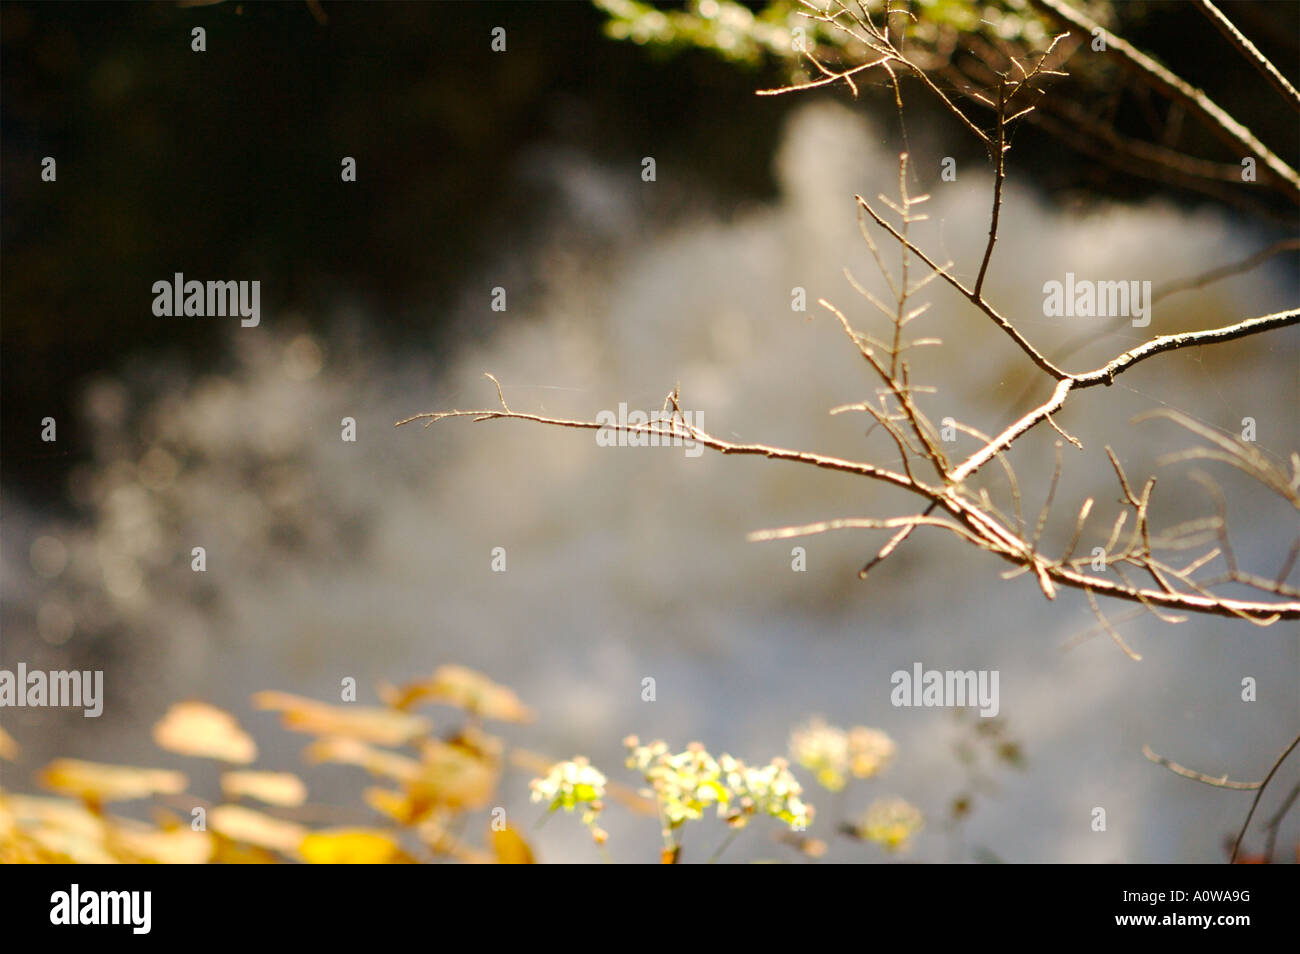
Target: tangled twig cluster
{"points": [[1141, 565]]}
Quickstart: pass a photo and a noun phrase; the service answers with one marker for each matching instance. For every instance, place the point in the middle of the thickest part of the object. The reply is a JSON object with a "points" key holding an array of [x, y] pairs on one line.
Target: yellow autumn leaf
{"points": [[379, 762], [180, 846], [30, 811], [57, 830], [350, 846], [483, 744], [55, 846], [468, 854], [255, 828], [370, 724], [227, 852], [274, 788], [109, 783], [18, 847], [462, 687], [167, 820], [510, 848], [453, 777], [8, 747], [395, 805], [199, 729], [34, 811], [66, 828]]}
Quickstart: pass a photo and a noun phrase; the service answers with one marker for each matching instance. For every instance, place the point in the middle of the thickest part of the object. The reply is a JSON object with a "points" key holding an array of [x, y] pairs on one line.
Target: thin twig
{"points": [[1236, 268], [1260, 794], [1220, 781], [999, 178], [1251, 52]]}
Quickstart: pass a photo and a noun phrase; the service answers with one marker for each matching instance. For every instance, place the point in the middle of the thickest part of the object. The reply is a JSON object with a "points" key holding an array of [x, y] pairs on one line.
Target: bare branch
{"points": [[1214, 274], [1251, 53], [970, 513], [1216, 119], [999, 178], [1260, 794], [1221, 781]]}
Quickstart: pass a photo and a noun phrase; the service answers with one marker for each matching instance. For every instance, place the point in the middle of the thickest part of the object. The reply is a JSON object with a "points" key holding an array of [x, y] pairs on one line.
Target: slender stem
{"points": [[726, 843], [1220, 781], [999, 178], [1260, 794], [1250, 52]]}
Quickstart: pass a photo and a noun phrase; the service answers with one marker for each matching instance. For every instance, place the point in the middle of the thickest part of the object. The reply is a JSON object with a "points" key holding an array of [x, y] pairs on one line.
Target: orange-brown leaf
{"points": [[462, 687], [98, 783], [8, 747], [510, 848], [370, 724]]}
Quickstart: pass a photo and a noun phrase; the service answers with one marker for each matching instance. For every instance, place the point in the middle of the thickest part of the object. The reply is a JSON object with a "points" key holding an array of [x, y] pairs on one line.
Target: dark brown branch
{"points": [[999, 178]]}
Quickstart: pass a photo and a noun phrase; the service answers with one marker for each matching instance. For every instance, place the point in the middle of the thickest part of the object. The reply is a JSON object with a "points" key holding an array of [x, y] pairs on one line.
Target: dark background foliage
{"points": [[226, 164]]}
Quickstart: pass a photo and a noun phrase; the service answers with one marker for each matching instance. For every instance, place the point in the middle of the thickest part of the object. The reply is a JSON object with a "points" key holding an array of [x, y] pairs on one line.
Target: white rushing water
{"points": [[372, 559]]}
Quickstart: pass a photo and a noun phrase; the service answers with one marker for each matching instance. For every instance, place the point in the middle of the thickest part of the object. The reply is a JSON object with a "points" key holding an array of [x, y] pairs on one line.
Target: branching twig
{"points": [[969, 513]]}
